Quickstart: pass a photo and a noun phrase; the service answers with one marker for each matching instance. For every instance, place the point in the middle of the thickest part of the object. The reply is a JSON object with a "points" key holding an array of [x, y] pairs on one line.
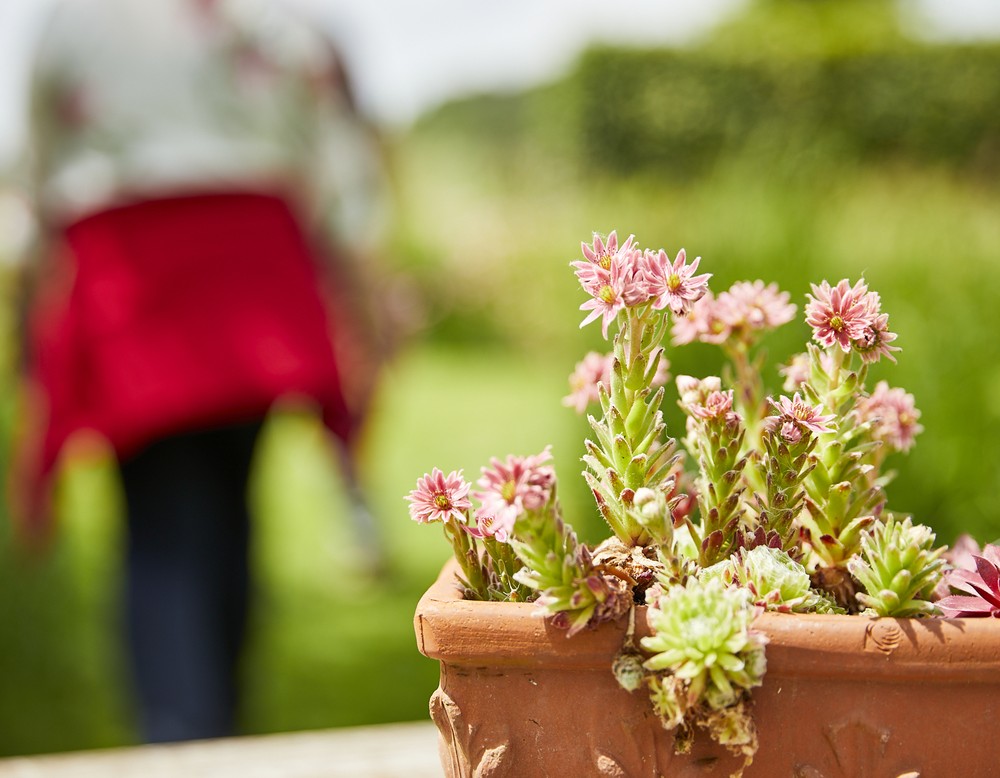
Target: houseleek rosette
{"points": [[560, 569], [899, 567], [775, 581], [972, 587], [705, 657]]}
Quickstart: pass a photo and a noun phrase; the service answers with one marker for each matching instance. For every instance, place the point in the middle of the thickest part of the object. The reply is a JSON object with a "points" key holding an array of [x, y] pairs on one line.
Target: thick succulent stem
{"points": [[843, 500], [631, 450], [475, 577]]}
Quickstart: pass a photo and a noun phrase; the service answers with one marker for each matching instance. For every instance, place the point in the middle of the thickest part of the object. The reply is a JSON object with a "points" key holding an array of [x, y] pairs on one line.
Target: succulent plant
{"points": [[702, 635], [898, 567], [775, 580], [560, 569], [783, 512], [705, 657]]}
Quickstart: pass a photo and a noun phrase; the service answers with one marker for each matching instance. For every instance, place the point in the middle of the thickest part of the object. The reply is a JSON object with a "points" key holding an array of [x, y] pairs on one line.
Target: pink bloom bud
{"points": [[717, 405]]}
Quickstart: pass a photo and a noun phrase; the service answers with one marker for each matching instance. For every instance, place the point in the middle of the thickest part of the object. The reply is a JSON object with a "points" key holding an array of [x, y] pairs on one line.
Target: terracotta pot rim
{"points": [[472, 633]]}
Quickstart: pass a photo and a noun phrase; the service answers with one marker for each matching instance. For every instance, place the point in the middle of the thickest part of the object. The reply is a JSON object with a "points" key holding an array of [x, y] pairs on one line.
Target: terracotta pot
{"points": [[843, 696]]}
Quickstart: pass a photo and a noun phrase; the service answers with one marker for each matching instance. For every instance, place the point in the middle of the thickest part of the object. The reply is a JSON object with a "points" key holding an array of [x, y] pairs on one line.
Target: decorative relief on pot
{"points": [[859, 749], [491, 763], [461, 754], [446, 714], [883, 636]]}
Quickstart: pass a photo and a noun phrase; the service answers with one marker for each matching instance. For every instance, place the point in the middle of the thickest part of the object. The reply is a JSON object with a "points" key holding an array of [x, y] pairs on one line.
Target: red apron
{"points": [[184, 313]]}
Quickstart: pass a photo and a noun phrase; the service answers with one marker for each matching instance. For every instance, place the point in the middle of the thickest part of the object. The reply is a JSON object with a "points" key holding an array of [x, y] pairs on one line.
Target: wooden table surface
{"points": [[385, 751]]}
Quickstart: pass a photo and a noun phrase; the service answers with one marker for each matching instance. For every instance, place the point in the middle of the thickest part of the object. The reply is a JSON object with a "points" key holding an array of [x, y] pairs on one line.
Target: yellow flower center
{"points": [[673, 281], [605, 261], [836, 323], [607, 294], [442, 501], [508, 490]]}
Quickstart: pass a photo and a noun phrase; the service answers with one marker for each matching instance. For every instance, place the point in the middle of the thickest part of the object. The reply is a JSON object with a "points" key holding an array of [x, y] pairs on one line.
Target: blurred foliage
{"points": [[805, 140]]}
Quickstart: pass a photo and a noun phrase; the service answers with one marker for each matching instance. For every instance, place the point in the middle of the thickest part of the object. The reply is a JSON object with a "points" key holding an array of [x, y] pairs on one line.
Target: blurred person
{"points": [[201, 182]]}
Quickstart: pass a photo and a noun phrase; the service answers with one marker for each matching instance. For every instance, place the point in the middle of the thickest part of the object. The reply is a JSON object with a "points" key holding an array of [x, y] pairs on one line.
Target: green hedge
{"points": [[680, 111], [790, 85]]}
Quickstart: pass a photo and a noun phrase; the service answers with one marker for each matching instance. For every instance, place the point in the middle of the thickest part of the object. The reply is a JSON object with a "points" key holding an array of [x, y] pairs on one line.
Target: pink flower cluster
{"points": [[794, 417], [850, 317], [704, 400], [747, 307], [894, 416], [509, 488], [594, 370], [618, 277]]}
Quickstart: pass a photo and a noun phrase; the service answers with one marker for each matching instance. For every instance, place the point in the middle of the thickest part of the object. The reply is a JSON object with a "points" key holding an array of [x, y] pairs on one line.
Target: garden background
{"points": [[797, 142]]}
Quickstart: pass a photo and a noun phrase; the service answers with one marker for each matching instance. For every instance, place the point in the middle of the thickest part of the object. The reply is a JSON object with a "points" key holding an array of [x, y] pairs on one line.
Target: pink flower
{"points": [[982, 586], [754, 306], [595, 270], [673, 284], [623, 285], [795, 416], [717, 405], [894, 416], [599, 253], [874, 343], [841, 314], [702, 321], [490, 527], [511, 487], [440, 497], [607, 300]]}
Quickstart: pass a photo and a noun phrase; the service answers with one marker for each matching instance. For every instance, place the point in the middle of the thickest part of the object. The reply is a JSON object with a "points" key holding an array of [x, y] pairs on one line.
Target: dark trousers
{"points": [[187, 579]]}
